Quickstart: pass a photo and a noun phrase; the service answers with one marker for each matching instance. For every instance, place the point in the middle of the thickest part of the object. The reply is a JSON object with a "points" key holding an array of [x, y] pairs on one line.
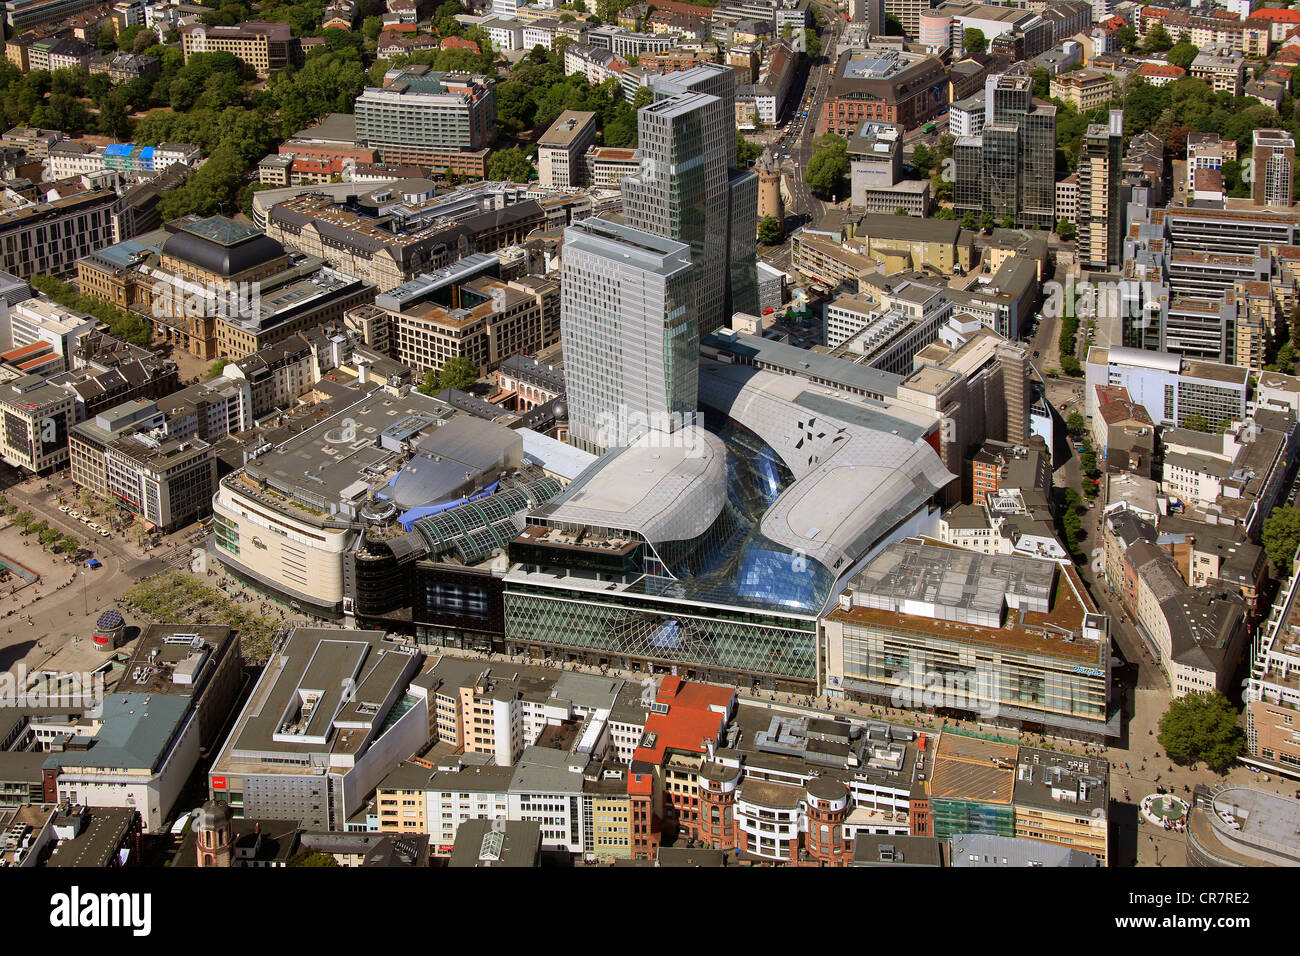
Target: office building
{"points": [[137, 754], [1100, 216], [630, 332], [1008, 171], [1168, 387], [876, 173], [49, 237], [884, 85], [266, 47], [1085, 90], [886, 333], [685, 188], [387, 235], [1273, 156], [562, 149], [466, 311], [39, 320], [419, 115]]}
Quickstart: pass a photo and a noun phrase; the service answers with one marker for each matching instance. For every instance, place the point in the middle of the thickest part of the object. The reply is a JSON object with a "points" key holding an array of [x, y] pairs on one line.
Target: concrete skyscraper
{"points": [[1101, 211], [629, 331], [687, 188]]}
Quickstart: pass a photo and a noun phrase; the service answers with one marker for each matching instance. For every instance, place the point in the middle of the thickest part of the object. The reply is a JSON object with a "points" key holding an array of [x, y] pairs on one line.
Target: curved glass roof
{"points": [[476, 529]]}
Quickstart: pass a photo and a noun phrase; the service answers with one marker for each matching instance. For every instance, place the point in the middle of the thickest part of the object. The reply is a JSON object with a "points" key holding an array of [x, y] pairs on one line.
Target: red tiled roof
{"points": [[1160, 69], [1279, 15], [26, 351], [696, 713], [459, 43]]}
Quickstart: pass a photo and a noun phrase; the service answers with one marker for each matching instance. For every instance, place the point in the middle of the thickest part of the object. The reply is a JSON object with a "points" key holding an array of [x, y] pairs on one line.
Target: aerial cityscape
{"points": [[606, 434]]}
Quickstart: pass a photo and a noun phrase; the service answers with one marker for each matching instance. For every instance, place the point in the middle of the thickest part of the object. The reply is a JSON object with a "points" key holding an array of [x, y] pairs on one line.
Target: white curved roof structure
{"points": [[859, 470], [664, 486]]}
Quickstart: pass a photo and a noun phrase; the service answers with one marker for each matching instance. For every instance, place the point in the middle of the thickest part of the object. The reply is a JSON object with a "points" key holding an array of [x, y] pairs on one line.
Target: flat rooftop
{"points": [[328, 691]]}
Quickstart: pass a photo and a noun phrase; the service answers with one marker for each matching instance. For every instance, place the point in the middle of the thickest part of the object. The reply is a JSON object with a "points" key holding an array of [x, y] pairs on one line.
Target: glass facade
{"points": [[629, 333], [728, 605], [883, 658], [955, 817], [1009, 169], [622, 628]]}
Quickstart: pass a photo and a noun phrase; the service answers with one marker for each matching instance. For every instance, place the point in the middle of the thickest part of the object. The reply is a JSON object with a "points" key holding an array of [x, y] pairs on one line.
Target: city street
{"points": [[805, 207]]}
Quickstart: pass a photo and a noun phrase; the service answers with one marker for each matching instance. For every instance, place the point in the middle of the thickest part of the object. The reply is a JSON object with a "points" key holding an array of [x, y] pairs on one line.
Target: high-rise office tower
{"points": [[1273, 166], [1101, 213], [629, 332], [687, 190], [870, 12], [1015, 173]]}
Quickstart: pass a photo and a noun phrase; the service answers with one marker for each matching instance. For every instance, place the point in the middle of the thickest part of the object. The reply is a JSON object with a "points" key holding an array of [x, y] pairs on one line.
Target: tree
{"points": [[217, 368], [1182, 54], [1076, 424], [987, 223], [769, 231], [312, 858], [1071, 366], [746, 152], [1042, 78], [968, 221], [922, 157], [812, 44], [1158, 39], [1008, 221], [1280, 537], [510, 165], [893, 26], [106, 40], [1065, 229], [828, 166], [1196, 423], [973, 41], [458, 372], [1201, 726]]}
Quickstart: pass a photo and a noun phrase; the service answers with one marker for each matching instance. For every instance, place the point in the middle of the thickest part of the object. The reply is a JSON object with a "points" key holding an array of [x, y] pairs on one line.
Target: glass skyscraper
{"points": [[629, 333], [685, 189], [1015, 174]]}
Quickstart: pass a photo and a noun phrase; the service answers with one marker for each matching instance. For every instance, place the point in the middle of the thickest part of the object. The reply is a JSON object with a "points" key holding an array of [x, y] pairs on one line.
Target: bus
{"points": [[928, 129]]}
